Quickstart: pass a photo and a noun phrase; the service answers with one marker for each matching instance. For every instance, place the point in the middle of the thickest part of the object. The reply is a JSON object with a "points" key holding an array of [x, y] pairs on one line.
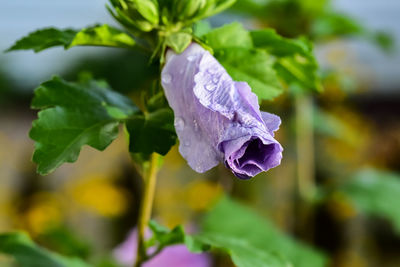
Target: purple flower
{"points": [[216, 118], [176, 256]]}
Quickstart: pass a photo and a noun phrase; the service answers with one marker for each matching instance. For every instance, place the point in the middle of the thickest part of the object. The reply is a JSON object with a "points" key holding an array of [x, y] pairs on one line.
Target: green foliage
{"points": [[242, 253], [376, 193], [45, 38], [62, 240], [295, 62], [260, 57], [335, 24], [233, 47], [179, 41], [249, 239], [165, 237], [151, 132], [230, 35], [254, 67], [73, 115], [27, 254], [252, 240], [102, 35]]}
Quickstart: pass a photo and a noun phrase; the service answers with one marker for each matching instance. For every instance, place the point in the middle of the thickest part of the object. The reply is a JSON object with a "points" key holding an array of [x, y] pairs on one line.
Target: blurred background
{"points": [[337, 189]]}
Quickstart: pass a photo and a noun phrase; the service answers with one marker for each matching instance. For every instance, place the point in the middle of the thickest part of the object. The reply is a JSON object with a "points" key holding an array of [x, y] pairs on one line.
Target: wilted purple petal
{"points": [[216, 118], [271, 121], [176, 256]]}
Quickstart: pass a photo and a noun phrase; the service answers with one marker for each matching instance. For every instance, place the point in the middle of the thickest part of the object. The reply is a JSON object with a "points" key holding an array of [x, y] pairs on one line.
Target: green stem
{"points": [[305, 146], [305, 164], [149, 177]]}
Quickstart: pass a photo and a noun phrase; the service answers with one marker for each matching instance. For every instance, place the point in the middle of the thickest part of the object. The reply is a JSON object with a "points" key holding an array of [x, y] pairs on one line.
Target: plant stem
{"points": [[305, 164], [149, 177], [305, 146]]}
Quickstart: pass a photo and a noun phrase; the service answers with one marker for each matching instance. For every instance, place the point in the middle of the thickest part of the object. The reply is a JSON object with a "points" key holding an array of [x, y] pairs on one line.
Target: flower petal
{"points": [[191, 117], [272, 121], [217, 118]]}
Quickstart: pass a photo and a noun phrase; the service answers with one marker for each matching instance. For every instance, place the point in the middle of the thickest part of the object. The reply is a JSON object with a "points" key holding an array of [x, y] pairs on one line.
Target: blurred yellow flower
{"points": [[44, 212], [201, 194], [99, 195]]}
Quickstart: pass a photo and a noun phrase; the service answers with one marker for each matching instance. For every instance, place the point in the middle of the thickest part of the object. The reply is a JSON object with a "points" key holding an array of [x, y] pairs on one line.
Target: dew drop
{"points": [[196, 125], [198, 168], [186, 143], [191, 58], [210, 87], [179, 123], [166, 78], [215, 80]]}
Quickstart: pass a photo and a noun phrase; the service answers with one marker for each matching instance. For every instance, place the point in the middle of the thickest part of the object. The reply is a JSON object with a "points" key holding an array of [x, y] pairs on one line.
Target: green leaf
{"points": [[148, 9], [103, 35], [295, 61], [72, 116], [252, 240], [254, 67], [377, 193], [43, 39], [213, 7], [277, 45], [166, 237], [233, 47], [243, 253], [179, 41], [230, 35], [151, 132], [201, 28], [335, 24], [27, 254]]}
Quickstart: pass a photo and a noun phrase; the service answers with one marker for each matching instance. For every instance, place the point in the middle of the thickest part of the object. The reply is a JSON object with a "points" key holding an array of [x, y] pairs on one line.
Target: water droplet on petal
{"points": [[166, 78], [179, 123], [198, 168], [186, 143], [210, 87], [196, 125], [191, 58], [215, 80]]}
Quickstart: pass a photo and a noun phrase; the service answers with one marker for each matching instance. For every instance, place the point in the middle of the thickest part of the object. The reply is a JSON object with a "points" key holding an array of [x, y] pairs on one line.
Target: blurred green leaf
{"points": [[295, 61], [254, 67], [72, 116], [233, 47], [201, 28], [62, 240], [230, 35], [151, 132], [179, 41], [28, 254], [102, 35], [148, 9], [253, 240], [243, 253], [384, 40], [377, 193], [332, 24], [166, 237]]}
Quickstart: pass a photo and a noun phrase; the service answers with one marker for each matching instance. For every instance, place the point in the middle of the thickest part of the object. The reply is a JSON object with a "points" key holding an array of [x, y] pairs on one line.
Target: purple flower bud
{"points": [[176, 255], [216, 118]]}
